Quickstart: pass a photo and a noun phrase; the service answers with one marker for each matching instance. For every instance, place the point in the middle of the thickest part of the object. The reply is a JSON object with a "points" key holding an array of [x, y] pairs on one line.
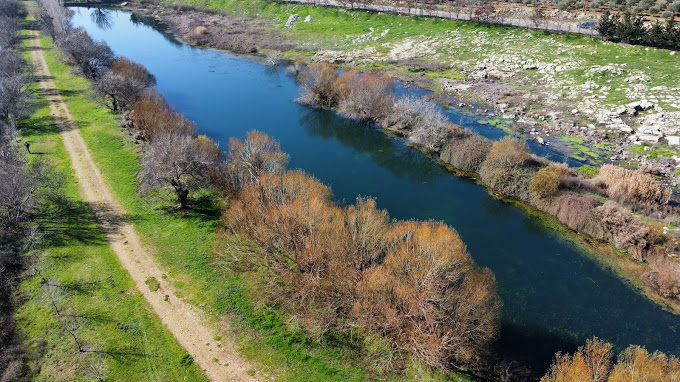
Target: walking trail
{"points": [[183, 320]]}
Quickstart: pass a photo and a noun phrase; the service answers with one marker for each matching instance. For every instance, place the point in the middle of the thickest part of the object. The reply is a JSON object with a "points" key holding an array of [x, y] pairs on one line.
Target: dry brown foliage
{"points": [[247, 160], [546, 182], [633, 187], [121, 86], [318, 83], [152, 116], [370, 99], [664, 274], [509, 167], [200, 30], [367, 227], [428, 298], [590, 363], [466, 152]]}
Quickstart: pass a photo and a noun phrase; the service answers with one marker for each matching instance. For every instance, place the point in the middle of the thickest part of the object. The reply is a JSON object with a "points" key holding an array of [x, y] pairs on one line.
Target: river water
{"points": [[555, 296]]}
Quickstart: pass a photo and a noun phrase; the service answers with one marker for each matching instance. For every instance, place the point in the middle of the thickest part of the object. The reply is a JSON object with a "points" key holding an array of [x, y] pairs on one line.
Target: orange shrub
{"points": [[152, 115], [428, 298], [546, 182], [590, 363]]}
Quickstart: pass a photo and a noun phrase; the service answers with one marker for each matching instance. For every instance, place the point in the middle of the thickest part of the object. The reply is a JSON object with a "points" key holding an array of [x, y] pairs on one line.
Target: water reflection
{"points": [[102, 18], [401, 160]]}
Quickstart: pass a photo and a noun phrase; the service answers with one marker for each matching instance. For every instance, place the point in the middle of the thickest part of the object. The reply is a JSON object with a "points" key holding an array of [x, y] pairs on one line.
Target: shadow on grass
{"points": [[203, 208], [38, 126], [65, 222]]}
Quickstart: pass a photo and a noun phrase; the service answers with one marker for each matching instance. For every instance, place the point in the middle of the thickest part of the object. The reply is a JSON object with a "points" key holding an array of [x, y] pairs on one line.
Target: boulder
{"points": [[292, 19], [308, 18], [673, 140]]}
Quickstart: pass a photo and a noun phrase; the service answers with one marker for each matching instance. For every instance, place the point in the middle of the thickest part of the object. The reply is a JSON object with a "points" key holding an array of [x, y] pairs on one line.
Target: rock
{"points": [[673, 53], [649, 138], [308, 18], [292, 19], [626, 129], [673, 140], [540, 141]]}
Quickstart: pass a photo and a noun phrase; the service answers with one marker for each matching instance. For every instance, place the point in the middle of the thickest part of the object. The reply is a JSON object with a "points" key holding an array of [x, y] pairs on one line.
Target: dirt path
{"points": [[183, 320]]}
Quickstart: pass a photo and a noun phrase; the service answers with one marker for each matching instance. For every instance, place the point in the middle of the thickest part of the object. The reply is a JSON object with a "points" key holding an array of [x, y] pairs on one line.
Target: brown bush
{"points": [[621, 227], [508, 168], [318, 84], [634, 187], [466, 152], [152, 115], [664, 274], [428, 298], [367, 227], [200, 30], [249, 159], [370, 99], [546, 182], [576, 211], [590, 363]]}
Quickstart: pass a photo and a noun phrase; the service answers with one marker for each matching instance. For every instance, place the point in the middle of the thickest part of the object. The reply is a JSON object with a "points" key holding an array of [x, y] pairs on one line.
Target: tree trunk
{"points": [[183, 198]]}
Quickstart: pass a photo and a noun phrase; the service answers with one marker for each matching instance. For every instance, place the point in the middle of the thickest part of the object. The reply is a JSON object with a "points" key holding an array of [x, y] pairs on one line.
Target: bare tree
{"points": [[424, 123], [55, 18], [93, 58], [178, 162], [120, 87], [249, 159]]}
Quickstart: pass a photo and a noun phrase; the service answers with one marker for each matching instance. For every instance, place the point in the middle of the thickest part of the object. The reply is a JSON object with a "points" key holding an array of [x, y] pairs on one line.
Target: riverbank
{"points": [[587, 93], [185, 241], [626, 267]]}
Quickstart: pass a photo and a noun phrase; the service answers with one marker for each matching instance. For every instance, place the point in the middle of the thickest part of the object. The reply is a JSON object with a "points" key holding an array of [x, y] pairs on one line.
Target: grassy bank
{"points": [[97, 300], [183, 242]]}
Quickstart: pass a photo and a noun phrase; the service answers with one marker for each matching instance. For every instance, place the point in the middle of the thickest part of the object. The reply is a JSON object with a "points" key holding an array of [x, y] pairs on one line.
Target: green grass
{"points": [[184, 242], [654, 152], [91, 289]]}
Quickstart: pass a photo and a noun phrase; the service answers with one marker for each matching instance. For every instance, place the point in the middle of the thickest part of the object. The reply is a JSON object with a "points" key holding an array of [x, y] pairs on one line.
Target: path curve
{"points": [[183, 320]]}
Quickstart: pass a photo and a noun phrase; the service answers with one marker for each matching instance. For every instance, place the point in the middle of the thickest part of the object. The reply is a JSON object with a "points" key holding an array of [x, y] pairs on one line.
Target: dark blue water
{"points": [[554, 296]]}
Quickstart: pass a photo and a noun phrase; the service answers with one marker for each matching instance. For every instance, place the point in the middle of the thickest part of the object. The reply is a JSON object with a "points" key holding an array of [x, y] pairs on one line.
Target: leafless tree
{"points": [[14, 96], [249, 159], [9, 29], [55, 18], [120, 87], [178, 162], [425, 124], [92, 57]]}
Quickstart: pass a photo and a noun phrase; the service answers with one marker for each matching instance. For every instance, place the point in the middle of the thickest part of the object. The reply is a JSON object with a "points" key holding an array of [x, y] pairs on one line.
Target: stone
{"points": [[649, 138], [308, 18], [673, 140], [292, 19], [540, 141]]}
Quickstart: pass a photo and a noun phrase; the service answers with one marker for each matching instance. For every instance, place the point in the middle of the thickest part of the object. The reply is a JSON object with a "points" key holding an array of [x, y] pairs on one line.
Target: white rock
{"points": [[308, 18], [673, 140], [292, 19], [540, 141]]}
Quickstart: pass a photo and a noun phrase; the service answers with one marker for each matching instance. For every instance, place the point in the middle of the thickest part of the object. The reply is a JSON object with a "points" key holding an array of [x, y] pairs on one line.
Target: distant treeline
{"points": [[631, 29]]}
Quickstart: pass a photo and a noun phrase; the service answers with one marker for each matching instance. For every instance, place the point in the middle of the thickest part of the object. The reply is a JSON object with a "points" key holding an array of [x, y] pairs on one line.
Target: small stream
{"points": [[555, 296]]}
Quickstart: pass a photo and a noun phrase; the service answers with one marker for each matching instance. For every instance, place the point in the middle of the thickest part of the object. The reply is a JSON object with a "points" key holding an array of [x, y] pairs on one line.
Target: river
{"points": [[554, 295]]}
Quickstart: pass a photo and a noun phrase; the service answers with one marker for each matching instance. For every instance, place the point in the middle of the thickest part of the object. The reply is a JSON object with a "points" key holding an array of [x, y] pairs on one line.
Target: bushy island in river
{"points": [[348, 274]]}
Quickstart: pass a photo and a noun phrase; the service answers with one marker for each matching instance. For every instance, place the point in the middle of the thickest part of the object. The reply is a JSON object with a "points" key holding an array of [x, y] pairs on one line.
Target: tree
{"points": [[93, 58], [14, 96], [248, 160], [607, 25], [121, 86], [317, 83], [428, 298], [369, 99], [546, 182], [55, 18], [179, 162]]}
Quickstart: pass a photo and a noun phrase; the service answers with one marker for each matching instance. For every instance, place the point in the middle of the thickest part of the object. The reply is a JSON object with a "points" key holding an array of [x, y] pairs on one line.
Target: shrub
{"points": [[466, 152], [591, 362], [152, 116], [633, 187], [370, 99], [664, 274], [428, 298], [546, 182], [426, 125], [508, 168], [636, 364], [248, 160], [317, 83]]}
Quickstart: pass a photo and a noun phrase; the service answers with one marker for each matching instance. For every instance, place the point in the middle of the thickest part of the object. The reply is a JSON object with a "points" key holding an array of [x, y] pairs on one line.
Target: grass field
{"points": [[183, 243], [96, 298]]}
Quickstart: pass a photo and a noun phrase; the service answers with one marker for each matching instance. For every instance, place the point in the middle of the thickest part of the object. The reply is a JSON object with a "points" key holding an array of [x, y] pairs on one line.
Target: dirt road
{"points": [[183, 320]]}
